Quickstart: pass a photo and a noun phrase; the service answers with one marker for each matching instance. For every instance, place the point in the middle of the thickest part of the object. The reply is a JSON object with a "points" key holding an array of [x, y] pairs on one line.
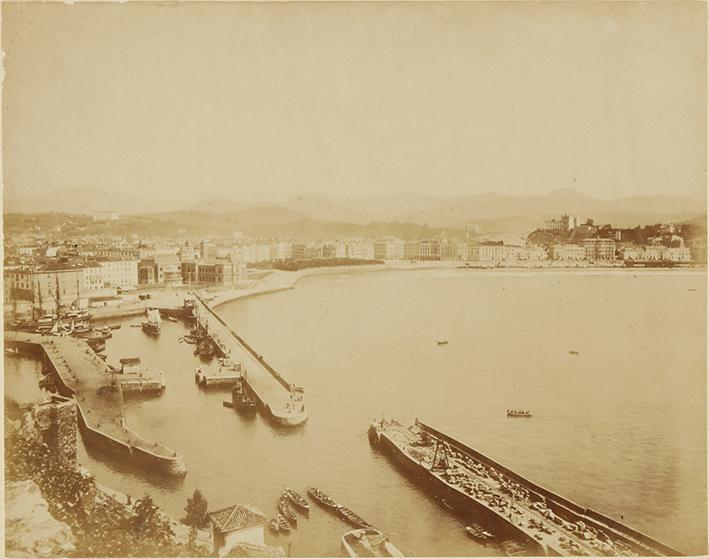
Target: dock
{"points": [[98, 391], [227, 375], [278, 400]]}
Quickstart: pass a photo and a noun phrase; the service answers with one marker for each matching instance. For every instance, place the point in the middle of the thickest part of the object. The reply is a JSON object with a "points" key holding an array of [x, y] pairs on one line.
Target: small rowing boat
{"points": [[477, 532], [368, 542], [353, 518], [283, 523], [286, 511], [296, 499], [519, 413], [321, 498], [273, 525], [442, 342]]}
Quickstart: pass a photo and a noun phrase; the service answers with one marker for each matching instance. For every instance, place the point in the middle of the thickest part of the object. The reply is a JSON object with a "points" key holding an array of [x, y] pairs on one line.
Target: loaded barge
{"points": [[472, 484]]}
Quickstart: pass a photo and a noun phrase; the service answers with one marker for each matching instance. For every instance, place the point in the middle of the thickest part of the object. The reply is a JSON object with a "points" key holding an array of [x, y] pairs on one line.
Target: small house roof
{"points": [[130, 361], [236, 517]]}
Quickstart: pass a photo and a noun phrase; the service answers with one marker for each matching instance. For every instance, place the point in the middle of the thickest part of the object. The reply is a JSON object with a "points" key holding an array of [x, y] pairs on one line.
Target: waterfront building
{"points": [[632, 252], [313, 251], [213, 273], [280, 250], [429, 249], [237, 524], [678, 254], [335, 249], [93, 276], [567, 252], [411, 250], [655, 252], [41, 285], [599, 248], [298, 251], [163, 270], [486, 251], [389, 249], [360, 249], [517, 253], [119, 273]]}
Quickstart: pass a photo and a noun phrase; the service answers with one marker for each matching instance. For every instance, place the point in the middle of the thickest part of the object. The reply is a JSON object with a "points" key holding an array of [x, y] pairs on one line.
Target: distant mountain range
{"points": [[488, 212]]}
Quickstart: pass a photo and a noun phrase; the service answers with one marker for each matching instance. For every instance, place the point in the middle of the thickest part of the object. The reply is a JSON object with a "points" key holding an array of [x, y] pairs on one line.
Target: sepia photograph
{"points": [[354, 279]]}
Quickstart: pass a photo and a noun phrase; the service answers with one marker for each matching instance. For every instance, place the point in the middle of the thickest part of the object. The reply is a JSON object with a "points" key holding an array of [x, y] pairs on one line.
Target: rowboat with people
{"points": [[519, 413]]}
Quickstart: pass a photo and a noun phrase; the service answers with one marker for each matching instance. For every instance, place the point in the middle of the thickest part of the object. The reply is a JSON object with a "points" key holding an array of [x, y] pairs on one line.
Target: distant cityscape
{"points": [[106, 270]]}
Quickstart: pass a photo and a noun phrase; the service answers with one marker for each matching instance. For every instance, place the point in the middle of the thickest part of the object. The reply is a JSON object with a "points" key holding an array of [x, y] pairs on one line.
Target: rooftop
{"points": [[236, 517]]}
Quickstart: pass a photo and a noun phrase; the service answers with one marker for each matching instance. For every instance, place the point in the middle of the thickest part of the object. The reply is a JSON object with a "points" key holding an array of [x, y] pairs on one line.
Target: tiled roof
{"points": [[236, 517]]}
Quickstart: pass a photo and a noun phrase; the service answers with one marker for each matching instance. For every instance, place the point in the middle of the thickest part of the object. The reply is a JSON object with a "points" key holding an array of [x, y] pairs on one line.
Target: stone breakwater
{"points": [[81, 375]]}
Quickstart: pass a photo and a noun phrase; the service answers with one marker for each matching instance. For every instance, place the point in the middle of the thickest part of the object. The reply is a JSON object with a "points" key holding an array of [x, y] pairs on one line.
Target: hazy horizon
{"points": [[233, 100]]}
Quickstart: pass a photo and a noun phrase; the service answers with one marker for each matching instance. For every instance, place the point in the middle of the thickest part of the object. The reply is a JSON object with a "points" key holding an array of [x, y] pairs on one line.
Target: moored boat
{"points": [[287, 512], [368, 542], [477, 532], [353, 518], [321, 498], [273, 525], [283, 523], [151, 325], [442, 342], [296, 499]]}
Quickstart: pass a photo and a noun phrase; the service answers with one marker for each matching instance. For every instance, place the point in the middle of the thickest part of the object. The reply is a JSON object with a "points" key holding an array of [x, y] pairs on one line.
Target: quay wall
{"points": [[247, 347], [570, 506]]}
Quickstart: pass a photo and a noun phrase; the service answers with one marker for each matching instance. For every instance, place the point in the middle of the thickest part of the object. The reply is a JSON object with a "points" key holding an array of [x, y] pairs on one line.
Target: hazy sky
{"points": [[450, 99]]}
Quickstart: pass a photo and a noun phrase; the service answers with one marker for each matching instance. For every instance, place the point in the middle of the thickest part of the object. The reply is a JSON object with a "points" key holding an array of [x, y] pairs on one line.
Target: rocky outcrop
{"points": [[30, 531]]}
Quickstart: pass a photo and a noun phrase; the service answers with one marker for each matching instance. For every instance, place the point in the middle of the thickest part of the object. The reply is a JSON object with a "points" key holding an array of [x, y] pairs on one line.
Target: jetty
{"points": [[278, 400], [97, 388]]}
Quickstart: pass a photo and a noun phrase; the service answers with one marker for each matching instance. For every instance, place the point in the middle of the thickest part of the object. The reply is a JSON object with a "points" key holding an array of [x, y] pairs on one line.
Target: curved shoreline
{"points": [[279, 280]]}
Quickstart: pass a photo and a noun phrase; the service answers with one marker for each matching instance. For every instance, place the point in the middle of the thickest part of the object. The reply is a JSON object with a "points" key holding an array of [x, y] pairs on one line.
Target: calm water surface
{"points": [[619, 428]]}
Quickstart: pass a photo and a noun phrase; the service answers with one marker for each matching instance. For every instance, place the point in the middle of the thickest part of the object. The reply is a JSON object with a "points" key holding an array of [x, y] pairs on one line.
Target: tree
{"points": [[196, 510], [149, 523]]}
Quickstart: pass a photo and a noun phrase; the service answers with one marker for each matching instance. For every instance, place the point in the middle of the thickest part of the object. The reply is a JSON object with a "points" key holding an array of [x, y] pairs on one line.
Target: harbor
{"points": [[252, 461]]}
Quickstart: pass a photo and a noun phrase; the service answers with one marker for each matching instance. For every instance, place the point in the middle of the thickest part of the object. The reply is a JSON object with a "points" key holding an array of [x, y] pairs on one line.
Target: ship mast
{"points": [[39, 299]]}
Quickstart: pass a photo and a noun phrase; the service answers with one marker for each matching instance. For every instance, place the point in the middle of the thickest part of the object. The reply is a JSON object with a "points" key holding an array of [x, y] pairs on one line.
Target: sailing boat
{"points": [[151, 325]]}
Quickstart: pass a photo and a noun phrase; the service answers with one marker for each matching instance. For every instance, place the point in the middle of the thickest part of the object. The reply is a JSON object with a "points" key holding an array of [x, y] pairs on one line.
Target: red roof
{"points": [[236, 517]]}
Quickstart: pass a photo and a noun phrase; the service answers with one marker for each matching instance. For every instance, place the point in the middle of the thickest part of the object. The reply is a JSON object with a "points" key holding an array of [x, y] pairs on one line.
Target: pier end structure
{"points": [[281, 402], [97, 390]]}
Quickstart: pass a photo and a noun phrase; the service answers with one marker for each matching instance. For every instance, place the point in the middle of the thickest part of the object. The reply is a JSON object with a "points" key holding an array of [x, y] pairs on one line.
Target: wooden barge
{"points": [[472, 484]]}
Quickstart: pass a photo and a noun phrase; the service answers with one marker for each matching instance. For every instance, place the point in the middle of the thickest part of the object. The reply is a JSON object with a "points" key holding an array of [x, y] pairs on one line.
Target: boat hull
{"points": [[454, 499]]}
